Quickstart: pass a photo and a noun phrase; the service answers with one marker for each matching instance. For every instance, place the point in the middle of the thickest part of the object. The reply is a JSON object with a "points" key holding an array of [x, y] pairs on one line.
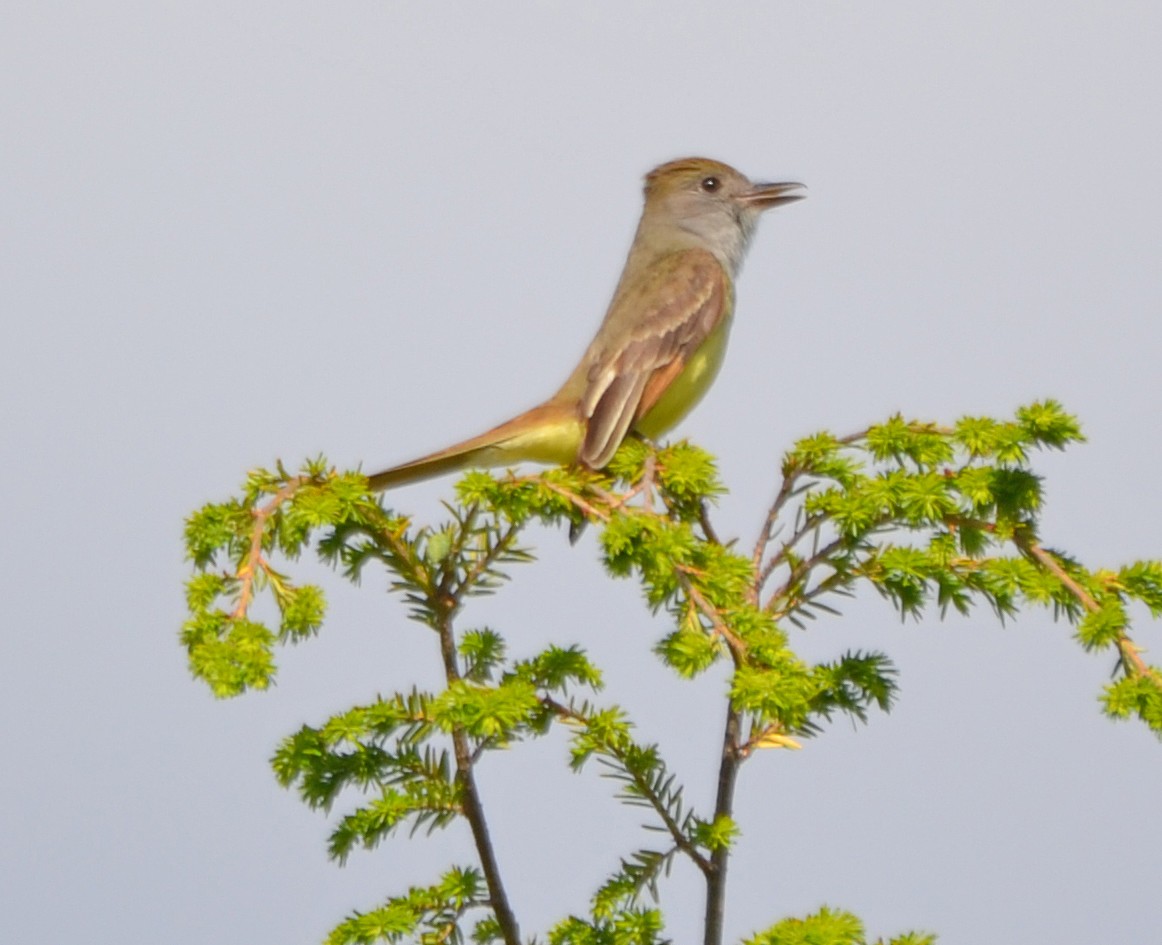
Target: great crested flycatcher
{"points": [[663, 338]]}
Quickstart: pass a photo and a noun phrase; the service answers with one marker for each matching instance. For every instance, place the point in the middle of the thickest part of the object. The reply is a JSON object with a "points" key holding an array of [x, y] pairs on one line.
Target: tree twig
{"points": [[786, 490], [681, 841], [1126, 647], [735, 644], [587, 507], [473, 806], [723, 807], [707, 525], [254, 560]]}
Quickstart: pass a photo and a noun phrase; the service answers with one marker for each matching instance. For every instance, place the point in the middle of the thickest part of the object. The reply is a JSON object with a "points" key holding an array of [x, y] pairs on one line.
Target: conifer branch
{"points": [[254, 560], [643, 786], [1127, 649], [473, 805], [723, 807]]}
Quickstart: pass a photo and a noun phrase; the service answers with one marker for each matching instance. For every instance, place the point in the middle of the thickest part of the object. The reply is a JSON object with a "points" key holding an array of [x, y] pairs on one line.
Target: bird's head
{"points": [[712, 202]]}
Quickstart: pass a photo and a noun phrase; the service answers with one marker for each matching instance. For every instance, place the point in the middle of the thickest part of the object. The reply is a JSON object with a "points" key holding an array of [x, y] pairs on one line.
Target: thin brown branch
{"points": [[765, 533], [707, 525], [723, 807], [734, 643], [1126, 647], [810, 524], [254, 561], [830, 583], [1046, 560], [681, 841], [787, 490], [1128, 651], [646, 483], [482, 562], [587, 507], [801, 570], [473, 806], [444, 590]]}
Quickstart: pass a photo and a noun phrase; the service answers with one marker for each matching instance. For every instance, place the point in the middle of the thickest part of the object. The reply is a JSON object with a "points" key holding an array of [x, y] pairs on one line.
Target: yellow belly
{"points": [[689, 387]]}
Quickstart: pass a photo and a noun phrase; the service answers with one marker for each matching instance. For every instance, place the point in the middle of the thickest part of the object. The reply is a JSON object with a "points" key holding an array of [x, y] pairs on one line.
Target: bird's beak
{"points": [[765, 196]]}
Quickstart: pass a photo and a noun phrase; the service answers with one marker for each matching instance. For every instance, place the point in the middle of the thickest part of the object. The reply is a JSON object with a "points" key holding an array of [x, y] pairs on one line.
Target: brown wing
{"points": [[655, 327]]}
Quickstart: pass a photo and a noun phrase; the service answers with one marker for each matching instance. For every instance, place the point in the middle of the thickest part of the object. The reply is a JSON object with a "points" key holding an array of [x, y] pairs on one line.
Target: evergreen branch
{"points": [[1127, 649], [448, 600], [624, 888], [435, 803], [617, 752], [800, 571], [590, 510], [829, 927], [736, 645], [795, 467], [728, 767], [430, 914], [625, 927], [646, 484], [483, 562], [953, 494], [472, 803], [835, 582], [707, 525], [766, 534], [254, 560], [401, 555], [810, 523]]}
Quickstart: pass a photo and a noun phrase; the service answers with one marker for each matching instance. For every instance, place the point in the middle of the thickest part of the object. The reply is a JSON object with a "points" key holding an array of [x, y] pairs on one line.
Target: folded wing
{"points": [[672, 309]]}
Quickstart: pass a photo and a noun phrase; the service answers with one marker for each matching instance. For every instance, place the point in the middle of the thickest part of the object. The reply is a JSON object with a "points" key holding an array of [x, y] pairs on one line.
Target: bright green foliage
{"points": [[428, 913], [637, 874], [930, 516], [1143, 581], [488, 712], [276, 515], [629, 927], [644, 781], [1134, 696], [483, 651], [827, 927]]}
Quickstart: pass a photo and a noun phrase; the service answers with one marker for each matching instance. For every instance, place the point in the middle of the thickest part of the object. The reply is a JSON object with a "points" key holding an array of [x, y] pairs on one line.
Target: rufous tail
{"points": [[549, 433]]}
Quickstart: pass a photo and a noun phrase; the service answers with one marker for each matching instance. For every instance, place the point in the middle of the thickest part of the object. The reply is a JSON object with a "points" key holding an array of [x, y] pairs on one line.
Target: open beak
{"points": [[765, 196]]}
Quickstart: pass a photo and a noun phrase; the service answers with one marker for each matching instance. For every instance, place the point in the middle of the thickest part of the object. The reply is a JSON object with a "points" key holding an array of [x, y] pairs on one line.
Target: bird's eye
{"points": [[711, 184]]}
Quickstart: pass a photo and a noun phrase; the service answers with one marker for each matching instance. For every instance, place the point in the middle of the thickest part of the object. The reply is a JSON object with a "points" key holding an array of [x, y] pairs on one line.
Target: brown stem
{"points": [[765, 534], [787, 490], [681, 841], [707, 525], [588, 508], [254, 560], [473, 807], [649, 471], [1126, 648], [802, 570], [723, 807], [736, 645]]}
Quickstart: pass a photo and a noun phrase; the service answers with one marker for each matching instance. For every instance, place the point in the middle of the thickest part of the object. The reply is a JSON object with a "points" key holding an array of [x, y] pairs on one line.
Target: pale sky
{"points": [[231, 233]]}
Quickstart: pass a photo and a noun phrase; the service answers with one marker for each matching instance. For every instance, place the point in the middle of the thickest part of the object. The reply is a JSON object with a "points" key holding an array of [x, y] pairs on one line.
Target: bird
{"points": [[663, 337]]}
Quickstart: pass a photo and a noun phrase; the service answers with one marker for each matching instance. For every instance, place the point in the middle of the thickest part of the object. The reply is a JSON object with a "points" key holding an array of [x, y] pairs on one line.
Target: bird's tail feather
{"points": [[550, 433]]}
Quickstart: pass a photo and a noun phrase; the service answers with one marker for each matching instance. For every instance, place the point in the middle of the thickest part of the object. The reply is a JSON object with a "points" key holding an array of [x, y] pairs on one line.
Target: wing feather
{"points": [[674, 307]]}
